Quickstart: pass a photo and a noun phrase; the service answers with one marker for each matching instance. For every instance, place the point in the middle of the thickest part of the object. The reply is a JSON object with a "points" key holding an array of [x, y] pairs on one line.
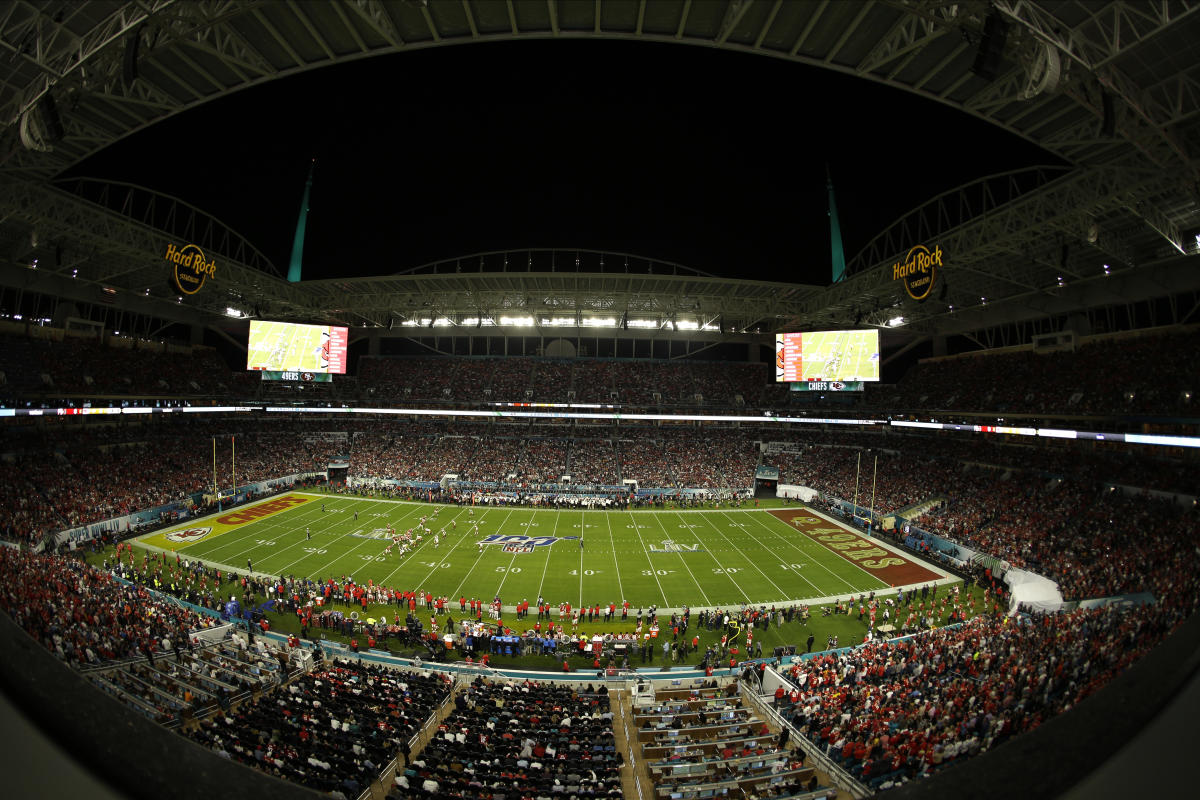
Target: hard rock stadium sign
{"points": [[918, 270], [191, 268]]}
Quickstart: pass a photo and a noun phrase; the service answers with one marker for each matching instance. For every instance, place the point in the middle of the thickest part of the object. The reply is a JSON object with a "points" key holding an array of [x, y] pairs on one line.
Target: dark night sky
{"points": [[711, 159]]}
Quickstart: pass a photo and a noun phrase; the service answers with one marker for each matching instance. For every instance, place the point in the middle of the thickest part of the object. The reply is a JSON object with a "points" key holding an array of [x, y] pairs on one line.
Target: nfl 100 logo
{"points": [[517, 543]]}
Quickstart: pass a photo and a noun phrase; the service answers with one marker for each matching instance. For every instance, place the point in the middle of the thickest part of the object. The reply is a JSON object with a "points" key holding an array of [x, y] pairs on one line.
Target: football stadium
{"points": [[395, 497]]}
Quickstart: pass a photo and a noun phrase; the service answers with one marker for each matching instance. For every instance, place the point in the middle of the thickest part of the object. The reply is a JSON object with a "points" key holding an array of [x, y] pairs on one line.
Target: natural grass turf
{"points": [[846, 627], [716, 557]]}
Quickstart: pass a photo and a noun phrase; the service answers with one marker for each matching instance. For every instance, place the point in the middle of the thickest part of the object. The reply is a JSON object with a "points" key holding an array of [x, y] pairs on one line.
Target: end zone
{"points": [[205, 528], [871, 555]]}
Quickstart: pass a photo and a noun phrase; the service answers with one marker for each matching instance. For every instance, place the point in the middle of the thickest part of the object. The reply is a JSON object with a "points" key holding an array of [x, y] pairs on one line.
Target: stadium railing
{"points": [[632, 757], [842, 779], [105, 666], [209, 635]]}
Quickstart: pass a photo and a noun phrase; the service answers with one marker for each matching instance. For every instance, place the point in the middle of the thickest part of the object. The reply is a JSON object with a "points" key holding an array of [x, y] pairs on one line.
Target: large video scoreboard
{"points": [[825, 356], [288, 347]]}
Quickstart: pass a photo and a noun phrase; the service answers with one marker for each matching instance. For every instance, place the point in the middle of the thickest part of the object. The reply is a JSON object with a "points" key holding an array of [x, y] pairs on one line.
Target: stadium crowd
{"points": [[1145, 374], [333, 730], [1038, 508], [1150, 374], [86, 616], [1093, 540], [518, 739], [891, 711]]}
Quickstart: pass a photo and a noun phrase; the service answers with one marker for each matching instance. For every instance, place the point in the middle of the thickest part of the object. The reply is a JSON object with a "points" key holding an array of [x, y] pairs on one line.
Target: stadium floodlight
{"points": [[442, 322], [599, 322], [526, 322], [642, 323], [233, 312], [895, 322], [686, 325]]}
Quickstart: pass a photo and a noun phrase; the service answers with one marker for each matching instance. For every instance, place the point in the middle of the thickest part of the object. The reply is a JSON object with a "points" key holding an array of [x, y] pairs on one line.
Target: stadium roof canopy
{"points": [[1113, 88]]}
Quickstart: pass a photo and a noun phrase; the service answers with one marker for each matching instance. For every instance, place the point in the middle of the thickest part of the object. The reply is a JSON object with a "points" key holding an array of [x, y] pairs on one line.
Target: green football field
{"points": [[664, 558]]}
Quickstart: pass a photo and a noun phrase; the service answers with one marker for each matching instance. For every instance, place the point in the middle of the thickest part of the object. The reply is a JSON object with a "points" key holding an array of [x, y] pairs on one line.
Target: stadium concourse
{"points": [[1103, 520]]}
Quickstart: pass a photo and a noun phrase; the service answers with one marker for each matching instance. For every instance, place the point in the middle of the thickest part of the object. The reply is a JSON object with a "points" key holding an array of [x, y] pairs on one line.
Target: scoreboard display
{"points": [[288, 347], [827, 356]]}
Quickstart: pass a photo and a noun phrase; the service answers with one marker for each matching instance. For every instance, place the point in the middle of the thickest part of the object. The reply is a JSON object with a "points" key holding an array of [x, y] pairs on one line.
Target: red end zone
{"points": [[886, 565]]}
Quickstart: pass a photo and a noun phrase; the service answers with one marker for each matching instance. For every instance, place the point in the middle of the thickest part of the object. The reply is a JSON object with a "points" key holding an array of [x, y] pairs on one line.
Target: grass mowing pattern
{"points": [[664, 558]]}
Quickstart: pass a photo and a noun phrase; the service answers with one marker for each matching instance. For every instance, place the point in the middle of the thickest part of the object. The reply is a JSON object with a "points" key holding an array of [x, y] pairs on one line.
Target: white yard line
{"points": [[613, 542], [653, 571], [749, 560], [810, 557], [477, 559], [581, 530], [683, 561]]}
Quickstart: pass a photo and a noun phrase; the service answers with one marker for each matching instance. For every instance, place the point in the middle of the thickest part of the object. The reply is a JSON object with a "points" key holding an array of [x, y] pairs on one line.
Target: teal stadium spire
{"points": [[837, 254], [297, 258]]}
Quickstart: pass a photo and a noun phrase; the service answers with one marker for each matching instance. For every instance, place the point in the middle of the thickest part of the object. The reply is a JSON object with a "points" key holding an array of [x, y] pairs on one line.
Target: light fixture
{"points": [[895, 322], [519, 321], [230, 311]]}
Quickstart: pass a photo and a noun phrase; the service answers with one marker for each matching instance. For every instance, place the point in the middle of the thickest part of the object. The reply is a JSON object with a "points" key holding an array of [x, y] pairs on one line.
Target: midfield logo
{"points": [[516, 543]]}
